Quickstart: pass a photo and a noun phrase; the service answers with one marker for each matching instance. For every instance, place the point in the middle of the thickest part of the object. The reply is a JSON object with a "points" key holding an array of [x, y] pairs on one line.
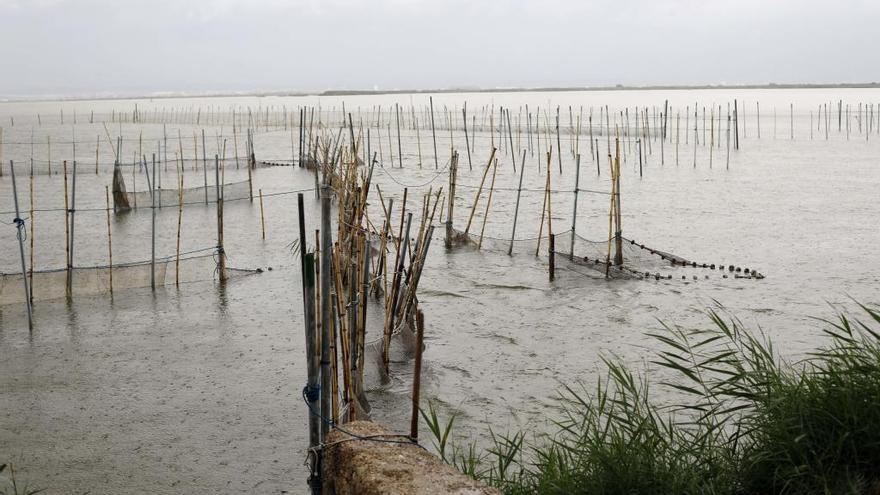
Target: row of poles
{"points": [[639, 127], [70, 226]]}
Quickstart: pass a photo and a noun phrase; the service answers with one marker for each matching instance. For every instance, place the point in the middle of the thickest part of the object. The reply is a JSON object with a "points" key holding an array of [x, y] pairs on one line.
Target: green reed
{"points": [[743, 420]]}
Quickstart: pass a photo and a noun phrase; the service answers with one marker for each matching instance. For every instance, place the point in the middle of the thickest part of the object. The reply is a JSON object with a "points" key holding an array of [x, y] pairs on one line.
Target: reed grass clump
{"points": [[736, 418]]}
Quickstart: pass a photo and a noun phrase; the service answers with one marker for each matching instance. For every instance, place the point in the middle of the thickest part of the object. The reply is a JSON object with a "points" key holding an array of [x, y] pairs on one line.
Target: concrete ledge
{"points": [[363, 467]]}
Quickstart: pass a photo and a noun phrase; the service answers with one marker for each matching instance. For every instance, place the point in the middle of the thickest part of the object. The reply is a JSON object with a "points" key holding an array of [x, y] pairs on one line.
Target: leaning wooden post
{"points": [[488, 203], [479, 191], [433, 132], [20, 228], [467, 144], [544, 205], [417, 376], [522, 169], [577, 176], [312, 390], [552, 256], [262, 217], [510, 136]]}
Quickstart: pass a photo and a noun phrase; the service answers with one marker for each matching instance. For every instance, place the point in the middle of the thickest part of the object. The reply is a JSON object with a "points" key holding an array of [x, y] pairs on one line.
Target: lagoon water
{"points": [[197, 388]]}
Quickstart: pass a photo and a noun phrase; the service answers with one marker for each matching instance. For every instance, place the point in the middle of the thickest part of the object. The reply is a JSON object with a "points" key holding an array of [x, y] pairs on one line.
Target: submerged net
{"points": [[625, 258], [191, 195], [402, 349], [634, 261], [93, 280]]}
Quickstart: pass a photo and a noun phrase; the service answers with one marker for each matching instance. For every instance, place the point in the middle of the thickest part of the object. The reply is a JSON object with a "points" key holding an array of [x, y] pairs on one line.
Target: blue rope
{"points": [[21, 232]]}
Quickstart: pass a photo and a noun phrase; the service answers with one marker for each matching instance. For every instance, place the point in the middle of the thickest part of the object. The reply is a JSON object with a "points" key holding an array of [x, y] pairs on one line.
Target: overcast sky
{"points": [[88, 47]]}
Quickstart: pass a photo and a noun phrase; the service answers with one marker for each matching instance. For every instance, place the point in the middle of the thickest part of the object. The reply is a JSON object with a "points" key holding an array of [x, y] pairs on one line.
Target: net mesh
{"points": [[620, 257], [201, 194], [636, 261], [94, 280]]}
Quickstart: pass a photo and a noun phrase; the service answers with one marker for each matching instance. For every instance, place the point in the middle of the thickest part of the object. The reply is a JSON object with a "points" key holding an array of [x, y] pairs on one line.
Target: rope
{"points": [[415, 186], [308, 392]]}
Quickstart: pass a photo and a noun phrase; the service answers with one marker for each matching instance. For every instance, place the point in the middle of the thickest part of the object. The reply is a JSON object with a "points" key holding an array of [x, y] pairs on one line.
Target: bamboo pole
{"points": [[512, 149], [205, 166], [417, 376], [19, 224], [69, 279], [153, 192], [618, 259], [109, 240], [479, 191], [433, 131], [221, 254], [544, 209], [31, 238], [72, 224], [466, 140], [326, 242], [262, 217], [488, 203], [577, 177], [179, 221], [522, 169], [558, 144]]}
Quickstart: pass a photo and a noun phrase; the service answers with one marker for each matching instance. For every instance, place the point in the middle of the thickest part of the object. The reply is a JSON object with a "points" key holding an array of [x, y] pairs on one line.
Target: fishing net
{"points": [[625, 258], [402, 348], [166, 197], [634, 261], [529, 245], [93, 280]]}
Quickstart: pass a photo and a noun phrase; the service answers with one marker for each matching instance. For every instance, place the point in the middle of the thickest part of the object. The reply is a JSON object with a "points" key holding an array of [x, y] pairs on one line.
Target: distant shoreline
{"points": [[371, 92]]}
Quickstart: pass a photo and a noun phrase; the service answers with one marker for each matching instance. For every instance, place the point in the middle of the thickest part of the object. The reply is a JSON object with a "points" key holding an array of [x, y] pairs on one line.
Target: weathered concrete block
{"points": [[363, 467]]}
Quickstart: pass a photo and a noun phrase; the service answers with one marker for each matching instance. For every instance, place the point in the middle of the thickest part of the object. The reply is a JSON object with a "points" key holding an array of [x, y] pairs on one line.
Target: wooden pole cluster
{"points": [[350, 268]]}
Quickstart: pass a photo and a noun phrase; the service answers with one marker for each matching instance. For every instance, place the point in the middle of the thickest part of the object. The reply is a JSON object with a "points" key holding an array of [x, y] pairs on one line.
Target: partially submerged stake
{"points": [[479, 191], [522, 169], [311, 393], [262, 217], [417, 376], [19, 225], [109, 241]]}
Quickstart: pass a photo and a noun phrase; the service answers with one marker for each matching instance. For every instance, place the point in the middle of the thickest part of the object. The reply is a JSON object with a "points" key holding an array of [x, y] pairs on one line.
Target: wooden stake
{"points": [[109, 240], [417, 376], [262, 217]]}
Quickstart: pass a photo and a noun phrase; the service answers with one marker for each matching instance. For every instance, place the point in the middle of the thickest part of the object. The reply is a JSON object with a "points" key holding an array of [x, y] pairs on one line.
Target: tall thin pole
{"points": [[433, 132], [312, 391], [522, 168], [19, 225], [467, 144], [109, 240], [153, 192], [72, 212], [577, 178], [221, 254], [326, 248], [205, 166]]}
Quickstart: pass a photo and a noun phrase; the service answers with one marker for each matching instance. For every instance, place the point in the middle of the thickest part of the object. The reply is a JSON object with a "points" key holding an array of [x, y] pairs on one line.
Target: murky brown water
{"points": [[197, 388]]}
